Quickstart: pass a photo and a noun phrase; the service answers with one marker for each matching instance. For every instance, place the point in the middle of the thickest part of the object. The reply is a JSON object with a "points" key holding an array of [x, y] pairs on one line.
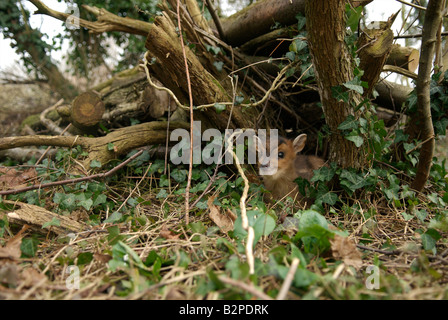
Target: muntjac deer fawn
{"points": [[290, 165]]}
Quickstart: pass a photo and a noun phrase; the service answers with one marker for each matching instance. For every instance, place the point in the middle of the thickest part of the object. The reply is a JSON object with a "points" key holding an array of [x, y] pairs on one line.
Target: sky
{"points": [[377, 10]]}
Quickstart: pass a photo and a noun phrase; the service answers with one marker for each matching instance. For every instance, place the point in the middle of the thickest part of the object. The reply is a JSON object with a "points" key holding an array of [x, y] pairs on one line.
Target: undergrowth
{"points": [[140, 247]]}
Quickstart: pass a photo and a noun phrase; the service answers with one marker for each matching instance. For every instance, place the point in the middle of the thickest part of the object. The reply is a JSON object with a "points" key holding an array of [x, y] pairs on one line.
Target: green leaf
{"points": [[219, 107], [95, 164], [428, 242], [329, 198], [116, 216], [86, 204], [290, 55], [263, 226], [54, 222], [352, 180], [400, 136], [102, 198], [180, 175], [85, 258], [354, 15], [323, 174], [349, 124], [339, 94], [356, 139], [29, 246], [162, 194], [354, 85], [218, 65]]}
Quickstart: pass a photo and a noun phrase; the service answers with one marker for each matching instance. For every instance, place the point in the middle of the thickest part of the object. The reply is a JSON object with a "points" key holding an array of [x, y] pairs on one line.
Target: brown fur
{"points": [[290, 167]]}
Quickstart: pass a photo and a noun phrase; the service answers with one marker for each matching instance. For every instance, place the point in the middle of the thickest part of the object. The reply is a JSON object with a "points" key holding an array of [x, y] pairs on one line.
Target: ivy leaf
{"points": [[351, 180], [219, 107], [329, 198], [354, 85], [114, 217], [323, 174], [54, 222], [339, 94], [29, 247], [356, 139], [349, 124], [95, 164]]}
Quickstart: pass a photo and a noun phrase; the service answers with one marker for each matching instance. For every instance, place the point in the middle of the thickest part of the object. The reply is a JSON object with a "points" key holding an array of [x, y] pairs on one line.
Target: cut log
{"points": [[403, 57], [87, 110], [391, 95], [374, 46]]}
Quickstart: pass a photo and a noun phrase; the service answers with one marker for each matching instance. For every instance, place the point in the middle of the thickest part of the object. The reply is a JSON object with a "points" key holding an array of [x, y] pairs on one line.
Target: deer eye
{"points": [[281, 155]]}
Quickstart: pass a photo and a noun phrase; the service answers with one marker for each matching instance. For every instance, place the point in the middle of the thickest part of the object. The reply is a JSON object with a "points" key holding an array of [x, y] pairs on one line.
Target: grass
{"points": [[139, 247]]}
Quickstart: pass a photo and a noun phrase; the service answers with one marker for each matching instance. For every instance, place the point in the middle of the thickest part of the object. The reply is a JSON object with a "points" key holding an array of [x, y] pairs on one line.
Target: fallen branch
{"points": [[71, 181]]}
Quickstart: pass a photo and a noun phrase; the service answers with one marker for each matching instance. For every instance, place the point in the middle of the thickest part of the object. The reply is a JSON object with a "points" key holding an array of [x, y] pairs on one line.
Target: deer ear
{"points": [[299, 143]]}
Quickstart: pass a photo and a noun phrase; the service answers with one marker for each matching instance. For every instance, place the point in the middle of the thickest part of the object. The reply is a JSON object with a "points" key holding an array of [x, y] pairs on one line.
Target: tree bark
{"points": [[433, 17], [375, 45], [403, 57], [258, 18], [325, 21]]}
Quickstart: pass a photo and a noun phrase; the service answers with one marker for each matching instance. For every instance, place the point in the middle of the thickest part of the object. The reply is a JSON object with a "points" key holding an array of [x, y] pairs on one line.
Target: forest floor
{"points": [[139, 246]]}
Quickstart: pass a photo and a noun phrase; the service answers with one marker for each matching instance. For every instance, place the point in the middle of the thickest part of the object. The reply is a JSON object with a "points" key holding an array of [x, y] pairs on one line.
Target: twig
{"points": [[71, 181], [48, 149], [412, 5], [391, 252], [190, 168], [244, 219], [288, 280], [403, 72], [246, 287], [216, 20]]}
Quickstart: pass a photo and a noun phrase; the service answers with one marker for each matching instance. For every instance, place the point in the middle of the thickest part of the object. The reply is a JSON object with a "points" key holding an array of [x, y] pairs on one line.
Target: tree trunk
{"points": [[325, 21], [433, 18]]}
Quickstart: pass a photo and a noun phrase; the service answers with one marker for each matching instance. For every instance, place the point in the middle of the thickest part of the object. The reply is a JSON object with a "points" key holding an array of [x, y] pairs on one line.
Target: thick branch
{"points": [[258, 18], [433, 18], [106, 21], [124, 140]]}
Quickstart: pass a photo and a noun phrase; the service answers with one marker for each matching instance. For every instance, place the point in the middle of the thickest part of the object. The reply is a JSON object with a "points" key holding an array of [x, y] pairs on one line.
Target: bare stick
{"points": [[70, 181], [190, 168], [216, 19], [288, 280], [244, 219], [246, 287]]}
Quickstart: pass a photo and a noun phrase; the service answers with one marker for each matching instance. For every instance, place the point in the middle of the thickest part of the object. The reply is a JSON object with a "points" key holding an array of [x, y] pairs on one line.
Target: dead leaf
{"points": [[345, 249], [168, 234], [12, 248], [13, 179], [103, 258], [223, 221], [30, 277], [9, 274], [175, 293]]}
